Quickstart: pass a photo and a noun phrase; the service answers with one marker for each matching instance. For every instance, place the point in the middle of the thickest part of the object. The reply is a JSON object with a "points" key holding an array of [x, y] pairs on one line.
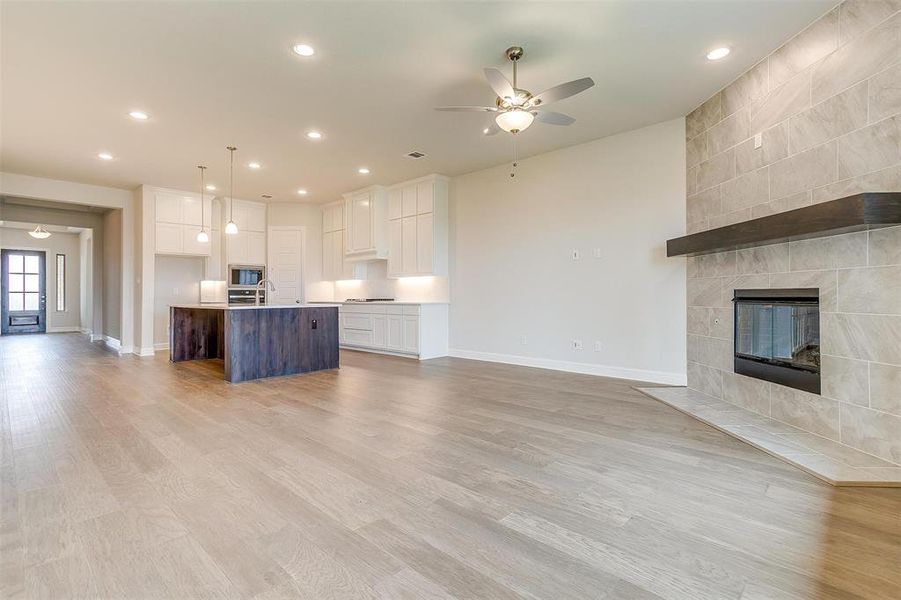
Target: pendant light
{"points": [[39, 233], [230, 227], [202, 236]]}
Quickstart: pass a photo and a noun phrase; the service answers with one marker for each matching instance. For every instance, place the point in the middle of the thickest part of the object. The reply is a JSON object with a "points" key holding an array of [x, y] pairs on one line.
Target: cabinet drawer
{"points": [[397, 309], [357, 337], [357, 322], [411, 309]]}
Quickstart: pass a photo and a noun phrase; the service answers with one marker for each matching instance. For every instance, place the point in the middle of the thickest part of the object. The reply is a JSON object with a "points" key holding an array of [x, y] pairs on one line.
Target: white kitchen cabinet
{"points": [[416, 330], [366, 224], [248, 246], [256, 248], [418, 236], [169, 238], [178, 217], [334, 265]]}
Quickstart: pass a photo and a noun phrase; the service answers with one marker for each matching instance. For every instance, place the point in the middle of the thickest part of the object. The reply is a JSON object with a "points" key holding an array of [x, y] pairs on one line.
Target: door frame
{"points": [[303, 254], [47, 252]]}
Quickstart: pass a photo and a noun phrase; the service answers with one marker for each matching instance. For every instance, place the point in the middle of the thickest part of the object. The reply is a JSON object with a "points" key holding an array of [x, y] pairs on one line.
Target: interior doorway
{"points": [[23, 308]]}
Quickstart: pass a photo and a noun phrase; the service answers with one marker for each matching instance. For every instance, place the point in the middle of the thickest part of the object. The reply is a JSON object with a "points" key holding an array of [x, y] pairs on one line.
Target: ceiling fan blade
{"points": [[553, 118], [468, 108], [500, 84], [564, 90]]}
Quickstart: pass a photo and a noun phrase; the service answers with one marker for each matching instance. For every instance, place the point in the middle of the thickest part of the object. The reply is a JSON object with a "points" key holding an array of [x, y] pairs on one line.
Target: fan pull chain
{"points": [[513, 168]]}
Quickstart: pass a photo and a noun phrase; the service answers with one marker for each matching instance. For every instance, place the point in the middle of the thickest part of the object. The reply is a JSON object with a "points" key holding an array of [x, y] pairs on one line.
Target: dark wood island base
{"points": [[256, 341]]}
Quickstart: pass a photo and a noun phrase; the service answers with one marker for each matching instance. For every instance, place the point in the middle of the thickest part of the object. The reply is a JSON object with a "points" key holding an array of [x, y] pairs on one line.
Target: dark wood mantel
{"points": [[845, 215]]}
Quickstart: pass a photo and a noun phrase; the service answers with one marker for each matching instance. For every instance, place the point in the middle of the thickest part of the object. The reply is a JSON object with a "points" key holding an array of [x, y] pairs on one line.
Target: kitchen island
{"points": [[256, 341]]}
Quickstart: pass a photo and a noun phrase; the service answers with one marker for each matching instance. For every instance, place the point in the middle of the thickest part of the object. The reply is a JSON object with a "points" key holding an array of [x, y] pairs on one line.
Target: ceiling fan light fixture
{"points": [[39, 233], [514, 121]]}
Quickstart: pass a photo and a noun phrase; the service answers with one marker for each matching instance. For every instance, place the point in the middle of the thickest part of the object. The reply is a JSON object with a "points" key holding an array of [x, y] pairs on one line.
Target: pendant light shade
{"points": [[39, 233], [202, 235], [515, 120], [230, 227]]}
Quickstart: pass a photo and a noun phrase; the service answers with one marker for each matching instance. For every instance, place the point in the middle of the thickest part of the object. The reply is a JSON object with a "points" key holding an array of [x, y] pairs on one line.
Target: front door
{"points": [[23, 307]]}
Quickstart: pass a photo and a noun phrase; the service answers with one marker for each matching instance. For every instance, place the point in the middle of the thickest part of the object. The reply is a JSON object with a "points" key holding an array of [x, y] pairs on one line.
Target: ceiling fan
{"points": [[515, 107]]}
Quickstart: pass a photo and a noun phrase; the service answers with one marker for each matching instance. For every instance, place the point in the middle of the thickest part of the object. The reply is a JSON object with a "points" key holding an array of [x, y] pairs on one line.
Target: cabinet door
{"points": [[190, 212], [256, 247], [168, 208], [395, 248], [425, 251], [344, 268], [379, 330], [169, 238], [328, 262], [361, 233], [408, 242], [395, 203], [395, 337], [190, 245], [411, 334], [425, 197], [338, 216], [409, 201], [256, 217], [238, 249], [327, 219]]}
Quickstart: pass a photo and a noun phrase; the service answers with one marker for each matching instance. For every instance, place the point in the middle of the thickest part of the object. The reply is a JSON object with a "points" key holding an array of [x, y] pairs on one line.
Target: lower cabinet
{"points": [[419, 330]]}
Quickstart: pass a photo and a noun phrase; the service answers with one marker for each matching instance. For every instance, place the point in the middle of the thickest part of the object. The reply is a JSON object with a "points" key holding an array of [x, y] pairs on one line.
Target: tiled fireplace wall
{"points": [[828, 106]]}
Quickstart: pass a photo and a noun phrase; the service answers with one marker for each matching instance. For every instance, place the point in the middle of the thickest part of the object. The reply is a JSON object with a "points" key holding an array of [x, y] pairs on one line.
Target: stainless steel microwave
{"points": [[245, 276]]}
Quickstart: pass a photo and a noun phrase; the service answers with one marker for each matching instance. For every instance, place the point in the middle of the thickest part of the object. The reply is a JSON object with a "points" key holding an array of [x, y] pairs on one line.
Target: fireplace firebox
{"points": [[777, 336]]}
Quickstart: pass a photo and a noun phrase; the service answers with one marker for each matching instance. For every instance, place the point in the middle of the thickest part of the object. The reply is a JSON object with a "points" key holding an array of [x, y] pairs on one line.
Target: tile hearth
{"points": [[830, 461]]}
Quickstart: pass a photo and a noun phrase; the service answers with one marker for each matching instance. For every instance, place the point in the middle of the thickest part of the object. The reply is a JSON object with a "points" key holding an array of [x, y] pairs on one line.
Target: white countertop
{"points": [[402, 302], [216, 306]]}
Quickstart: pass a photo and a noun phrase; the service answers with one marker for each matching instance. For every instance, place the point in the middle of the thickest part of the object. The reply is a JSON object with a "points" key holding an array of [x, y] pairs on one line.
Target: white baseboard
{"points": [[574, 367], [85, 330], [146, 351], [96, 337], [63, 329], [112, 343]]}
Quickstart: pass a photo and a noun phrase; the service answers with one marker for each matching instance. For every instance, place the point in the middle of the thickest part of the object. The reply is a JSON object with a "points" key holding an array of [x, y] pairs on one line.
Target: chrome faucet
{"points": [[256, 292]]}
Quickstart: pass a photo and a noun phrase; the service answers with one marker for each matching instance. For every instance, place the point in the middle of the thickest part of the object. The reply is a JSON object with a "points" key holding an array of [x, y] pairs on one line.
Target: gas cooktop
{"points": [[370, 300]]}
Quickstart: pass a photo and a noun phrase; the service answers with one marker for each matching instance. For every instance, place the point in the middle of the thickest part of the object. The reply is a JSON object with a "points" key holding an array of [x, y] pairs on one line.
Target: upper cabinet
{"points": [[248, 246], [334, 266], [417, 227], [178, 220], [366, 224]]}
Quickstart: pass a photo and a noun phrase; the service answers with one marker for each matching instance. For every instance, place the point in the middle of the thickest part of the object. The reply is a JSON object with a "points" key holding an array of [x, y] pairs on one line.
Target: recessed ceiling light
{"points": [[139, 115], [718, 53], [253, 165], [314, 135], [105, 156], [363, 171], [304, 50], [211, 187], [302, 192], [486, 130]]}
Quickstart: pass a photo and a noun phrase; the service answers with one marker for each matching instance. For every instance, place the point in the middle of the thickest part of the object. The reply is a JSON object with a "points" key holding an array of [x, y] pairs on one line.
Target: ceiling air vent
{"points": [[415, 155]]}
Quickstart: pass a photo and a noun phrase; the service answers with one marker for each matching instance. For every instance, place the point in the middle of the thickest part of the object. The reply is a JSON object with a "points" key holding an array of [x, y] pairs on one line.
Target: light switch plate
{"points": [[758, 141], [597, 253], [576, 255]]}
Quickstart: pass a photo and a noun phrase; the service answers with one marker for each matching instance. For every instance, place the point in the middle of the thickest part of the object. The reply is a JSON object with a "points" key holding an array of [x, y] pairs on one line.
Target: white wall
{"points": [[57, 243], [176, 280], [512, 274]]}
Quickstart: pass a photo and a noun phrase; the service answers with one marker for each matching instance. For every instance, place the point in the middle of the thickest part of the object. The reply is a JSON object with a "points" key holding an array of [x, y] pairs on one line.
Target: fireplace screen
{"points": [[777, 336]]}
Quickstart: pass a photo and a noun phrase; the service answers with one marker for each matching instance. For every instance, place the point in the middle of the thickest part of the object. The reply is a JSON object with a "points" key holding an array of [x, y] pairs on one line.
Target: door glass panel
{"points": [[16, 283], [31, 283], [31, 301], [32, 264], [16, 301], [16, 263]]}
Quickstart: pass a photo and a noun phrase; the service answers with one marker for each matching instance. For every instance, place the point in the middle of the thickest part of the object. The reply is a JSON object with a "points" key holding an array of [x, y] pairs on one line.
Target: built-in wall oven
{"points": [[242, 284]]}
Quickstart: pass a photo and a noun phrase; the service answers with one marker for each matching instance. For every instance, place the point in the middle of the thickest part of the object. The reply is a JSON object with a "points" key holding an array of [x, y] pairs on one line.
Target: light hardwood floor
{"points": [[134, 478]]}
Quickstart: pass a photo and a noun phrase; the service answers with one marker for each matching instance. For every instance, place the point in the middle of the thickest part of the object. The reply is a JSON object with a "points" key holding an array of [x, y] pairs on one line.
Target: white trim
{"points": [[161, 346], [381, 351], [64, 329], [574, 367], [112, 343], [96, 337], [58, 190], [145, 351]]}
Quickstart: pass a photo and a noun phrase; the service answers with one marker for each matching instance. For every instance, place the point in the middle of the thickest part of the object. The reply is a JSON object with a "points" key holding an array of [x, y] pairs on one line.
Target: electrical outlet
{"points": [[758, 141], [597, 253], [577, 255], [523, 340], [597, 346], [577, 344]]}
